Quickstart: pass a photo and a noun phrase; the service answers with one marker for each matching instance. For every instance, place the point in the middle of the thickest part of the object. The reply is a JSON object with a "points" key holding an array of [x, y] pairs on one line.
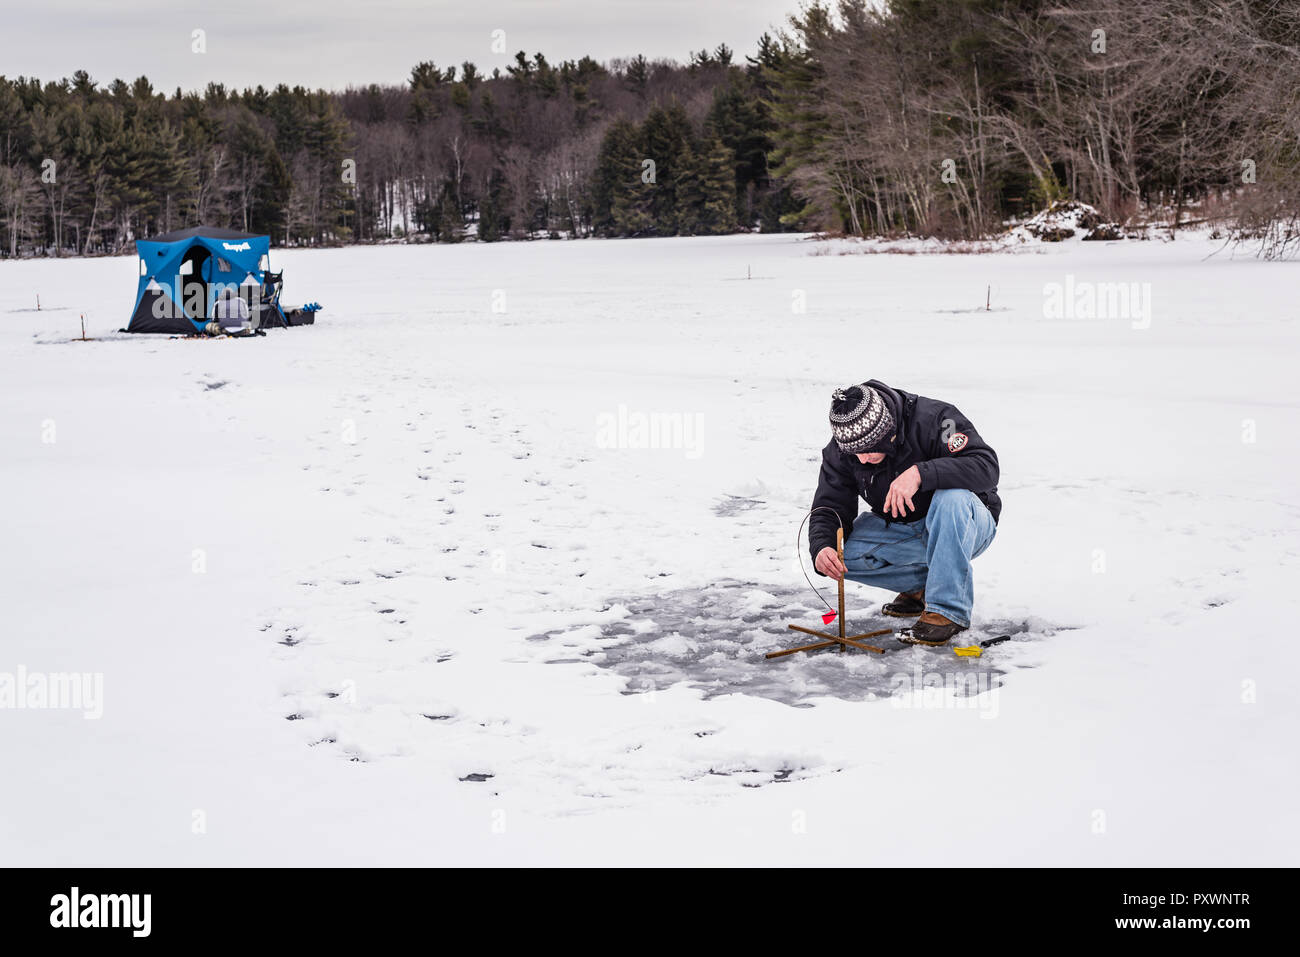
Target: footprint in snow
{"points": [[757, 777], [732, 505]]}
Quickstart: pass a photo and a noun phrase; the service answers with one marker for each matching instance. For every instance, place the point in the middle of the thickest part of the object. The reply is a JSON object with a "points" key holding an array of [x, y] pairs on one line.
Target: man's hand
{"points": [[898, 500], [829, 564]]}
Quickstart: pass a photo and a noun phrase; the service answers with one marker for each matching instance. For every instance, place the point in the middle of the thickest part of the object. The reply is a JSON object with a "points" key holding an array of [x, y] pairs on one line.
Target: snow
{"points": [[333, 577], [1069, 221]]}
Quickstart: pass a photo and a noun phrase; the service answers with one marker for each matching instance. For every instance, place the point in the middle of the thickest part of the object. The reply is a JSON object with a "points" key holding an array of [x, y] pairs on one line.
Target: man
{"points": [[931, 483]]}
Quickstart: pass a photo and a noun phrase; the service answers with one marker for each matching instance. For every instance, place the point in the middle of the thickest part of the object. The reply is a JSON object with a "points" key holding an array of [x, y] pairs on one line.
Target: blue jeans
{"points": [[934, 553]]}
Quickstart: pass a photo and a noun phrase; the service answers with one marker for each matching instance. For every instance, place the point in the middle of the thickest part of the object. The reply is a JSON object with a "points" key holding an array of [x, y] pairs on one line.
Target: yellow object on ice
{"points": [[974, 651]]}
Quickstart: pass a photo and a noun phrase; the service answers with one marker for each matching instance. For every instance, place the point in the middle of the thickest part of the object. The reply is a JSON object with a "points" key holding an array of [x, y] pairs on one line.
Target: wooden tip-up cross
{"points": [[840, 640]]}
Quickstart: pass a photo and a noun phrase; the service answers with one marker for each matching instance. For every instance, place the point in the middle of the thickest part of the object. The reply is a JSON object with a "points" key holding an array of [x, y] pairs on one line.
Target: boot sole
{"points": [[901, 614], [912, 640], [909, 640]]}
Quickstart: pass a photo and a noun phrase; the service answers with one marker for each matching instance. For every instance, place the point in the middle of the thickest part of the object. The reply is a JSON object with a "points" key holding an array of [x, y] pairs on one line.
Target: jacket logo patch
{"points": [[957, 442]]}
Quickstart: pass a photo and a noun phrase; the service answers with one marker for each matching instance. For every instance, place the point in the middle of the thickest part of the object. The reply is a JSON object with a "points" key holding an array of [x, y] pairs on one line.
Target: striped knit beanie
{"points": [[860, 420]]}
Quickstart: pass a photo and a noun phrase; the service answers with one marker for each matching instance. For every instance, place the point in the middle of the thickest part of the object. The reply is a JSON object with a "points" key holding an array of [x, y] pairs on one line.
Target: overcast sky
{"points": [[334, 44]]}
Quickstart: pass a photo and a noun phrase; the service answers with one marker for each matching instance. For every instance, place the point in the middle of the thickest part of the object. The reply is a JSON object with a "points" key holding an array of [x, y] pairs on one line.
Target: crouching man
{"points": [[931, 483]]}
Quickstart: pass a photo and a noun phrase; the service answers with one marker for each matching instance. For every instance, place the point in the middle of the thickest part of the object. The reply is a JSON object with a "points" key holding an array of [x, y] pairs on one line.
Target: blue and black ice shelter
{"points": [[184, 273]]}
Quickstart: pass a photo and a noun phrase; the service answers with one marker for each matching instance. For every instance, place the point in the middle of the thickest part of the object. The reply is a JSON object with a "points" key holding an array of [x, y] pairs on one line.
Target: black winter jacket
{"points": [[932, 435]]}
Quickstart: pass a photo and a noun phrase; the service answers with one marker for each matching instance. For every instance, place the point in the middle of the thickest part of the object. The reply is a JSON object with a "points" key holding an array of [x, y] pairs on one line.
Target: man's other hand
{"points": [[898, 500]]}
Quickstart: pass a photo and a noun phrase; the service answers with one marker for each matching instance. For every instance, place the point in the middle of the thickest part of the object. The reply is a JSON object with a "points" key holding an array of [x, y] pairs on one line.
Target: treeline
{"points": [[912, 117], [85, 169], [536, 149], [946, 117]]}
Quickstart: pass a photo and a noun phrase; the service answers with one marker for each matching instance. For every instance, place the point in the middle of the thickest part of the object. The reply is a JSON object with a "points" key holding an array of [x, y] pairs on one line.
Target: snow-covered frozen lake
{"points": [[408, 587]]}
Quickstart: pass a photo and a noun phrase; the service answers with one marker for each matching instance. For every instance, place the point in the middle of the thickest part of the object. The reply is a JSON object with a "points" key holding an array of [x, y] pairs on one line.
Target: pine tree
{"points": [[489, 218], [668, 140], [793, 74], [743, 122], [690, 194], [716, 178], [451, 224], [637, 75], [620, 200]]}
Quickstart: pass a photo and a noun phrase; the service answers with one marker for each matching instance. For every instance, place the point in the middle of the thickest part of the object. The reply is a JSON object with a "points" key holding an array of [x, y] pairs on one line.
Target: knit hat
{"points": [[860, 419]]}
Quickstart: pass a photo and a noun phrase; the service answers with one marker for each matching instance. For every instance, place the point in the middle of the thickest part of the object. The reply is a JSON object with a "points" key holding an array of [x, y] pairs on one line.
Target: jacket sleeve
{"points": [[836, 490], [958, 456]]}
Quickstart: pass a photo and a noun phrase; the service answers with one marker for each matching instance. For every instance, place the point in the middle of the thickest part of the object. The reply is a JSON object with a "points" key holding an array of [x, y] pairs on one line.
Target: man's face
{"points": [[874, 458]]}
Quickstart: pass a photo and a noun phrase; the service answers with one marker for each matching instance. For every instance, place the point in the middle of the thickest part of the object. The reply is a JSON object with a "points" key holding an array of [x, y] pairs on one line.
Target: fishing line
{"points": [[799, 553]]}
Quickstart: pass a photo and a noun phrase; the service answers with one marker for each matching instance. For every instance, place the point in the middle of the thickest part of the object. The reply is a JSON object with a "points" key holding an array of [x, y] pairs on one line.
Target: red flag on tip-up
{"points": [[828, 617]]}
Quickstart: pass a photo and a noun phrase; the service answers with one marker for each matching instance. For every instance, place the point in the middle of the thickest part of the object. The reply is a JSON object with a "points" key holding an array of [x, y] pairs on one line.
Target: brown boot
{"points": [[905, 605], [931, 629]]}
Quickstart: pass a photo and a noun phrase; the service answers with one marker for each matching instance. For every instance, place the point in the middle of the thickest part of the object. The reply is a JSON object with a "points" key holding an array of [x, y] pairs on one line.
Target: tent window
{"points": [[222, 265], [187, 268]]}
